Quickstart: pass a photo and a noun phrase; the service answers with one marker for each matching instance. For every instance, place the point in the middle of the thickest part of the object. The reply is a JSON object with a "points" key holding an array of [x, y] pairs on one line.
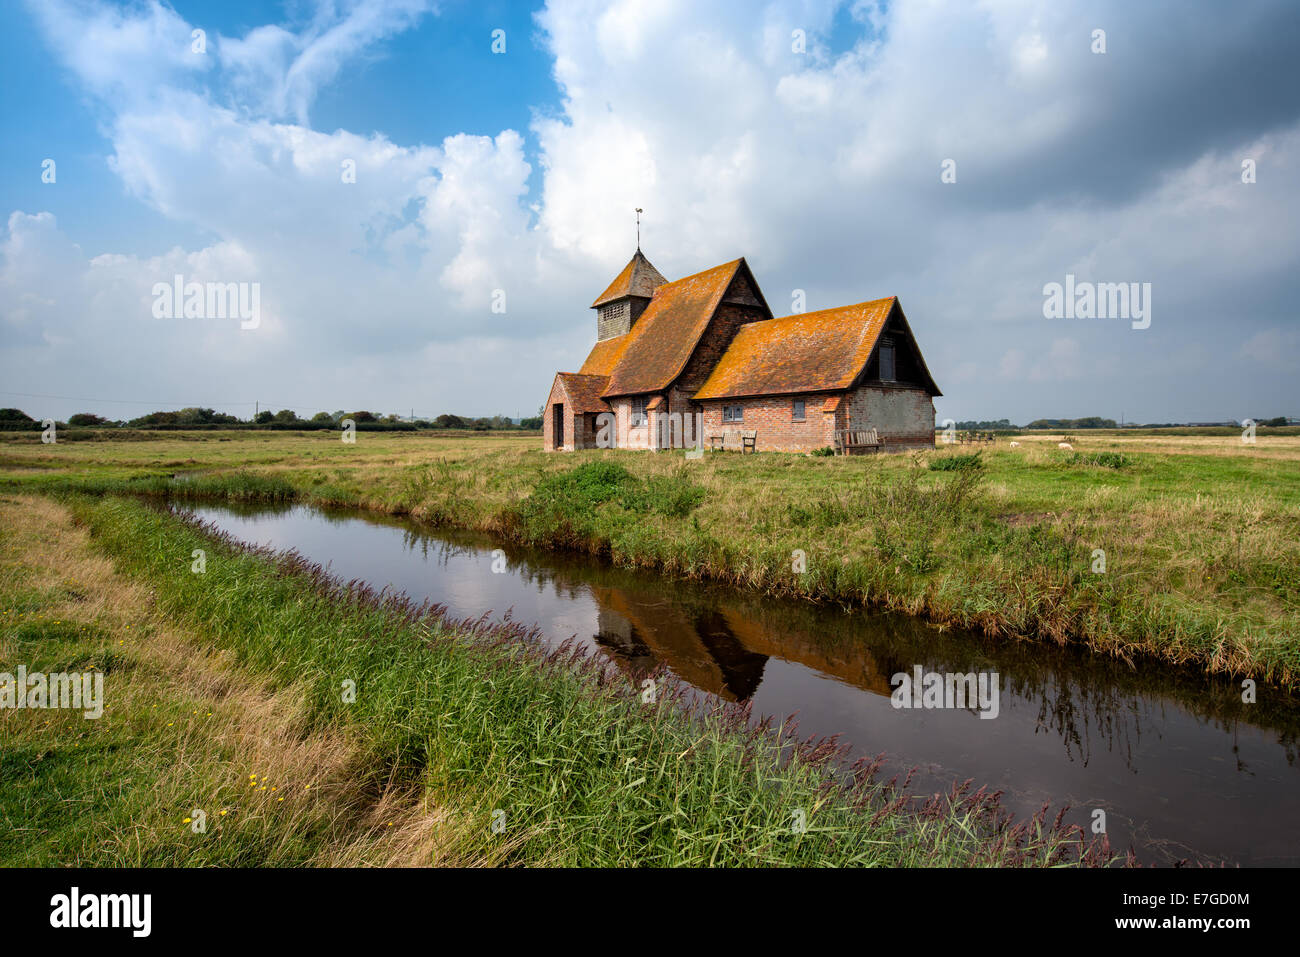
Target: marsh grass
{"points": [[1106, 460], [950, 463]]}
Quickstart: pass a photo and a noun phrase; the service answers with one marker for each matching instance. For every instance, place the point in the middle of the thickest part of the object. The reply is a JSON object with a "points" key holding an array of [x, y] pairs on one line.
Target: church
{"points": [[701, 362]]}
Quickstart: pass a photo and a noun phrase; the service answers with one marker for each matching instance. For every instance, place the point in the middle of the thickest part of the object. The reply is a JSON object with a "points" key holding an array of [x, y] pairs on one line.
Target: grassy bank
{"points": [[225, 693], [1200, 533]]}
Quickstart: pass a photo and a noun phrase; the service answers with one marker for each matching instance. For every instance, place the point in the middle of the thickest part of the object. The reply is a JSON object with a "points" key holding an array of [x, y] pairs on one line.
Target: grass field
{"points": [[1200, 532]]}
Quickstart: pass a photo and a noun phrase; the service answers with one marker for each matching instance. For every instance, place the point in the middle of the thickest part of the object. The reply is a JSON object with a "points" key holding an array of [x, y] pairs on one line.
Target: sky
{"points": [[422, 199]]}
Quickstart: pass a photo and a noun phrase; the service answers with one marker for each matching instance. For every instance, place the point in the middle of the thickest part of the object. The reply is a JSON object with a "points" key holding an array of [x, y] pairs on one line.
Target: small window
{"points": [[638, 416], [614, 311], [733, 413], [887, 361], [797, 410]]}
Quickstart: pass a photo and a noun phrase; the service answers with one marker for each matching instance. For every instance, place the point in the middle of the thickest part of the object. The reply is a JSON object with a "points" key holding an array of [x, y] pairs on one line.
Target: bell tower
{"points": [[621, 304]]}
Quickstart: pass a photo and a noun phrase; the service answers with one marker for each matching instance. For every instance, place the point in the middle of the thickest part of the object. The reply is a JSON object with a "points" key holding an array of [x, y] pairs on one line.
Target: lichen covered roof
{"points": [[809, 352], [638, 278], [604, 355], [662, 340], [584, 391]]}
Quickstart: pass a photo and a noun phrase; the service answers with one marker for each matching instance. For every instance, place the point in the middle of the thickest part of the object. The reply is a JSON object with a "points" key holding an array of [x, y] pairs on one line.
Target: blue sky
{"points": [[480, 173]]}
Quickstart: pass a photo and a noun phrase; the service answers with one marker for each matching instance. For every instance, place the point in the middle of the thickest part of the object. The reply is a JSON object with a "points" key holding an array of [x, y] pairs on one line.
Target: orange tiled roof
{"points": [[604, 355], [663, 339], [808, 352], [584, 391], [638, 278]]}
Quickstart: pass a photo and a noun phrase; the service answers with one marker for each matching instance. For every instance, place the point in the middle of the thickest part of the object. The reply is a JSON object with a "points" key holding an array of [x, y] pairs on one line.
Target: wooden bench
{"points": [[747, 439], [849, 441]]}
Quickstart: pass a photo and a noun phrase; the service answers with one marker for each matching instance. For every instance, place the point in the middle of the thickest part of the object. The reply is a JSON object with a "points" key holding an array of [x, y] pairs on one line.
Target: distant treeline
{"points": [[196, 418], [982, 426], [1093, 422], [1090, 422]]}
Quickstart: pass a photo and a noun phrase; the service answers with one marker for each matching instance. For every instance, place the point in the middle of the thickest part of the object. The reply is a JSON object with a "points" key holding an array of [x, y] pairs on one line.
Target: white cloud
{"points": [[283, 71]]}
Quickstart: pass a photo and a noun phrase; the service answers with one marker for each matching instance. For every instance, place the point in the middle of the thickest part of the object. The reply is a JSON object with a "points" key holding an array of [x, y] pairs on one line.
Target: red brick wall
{"points": [[772, 417]]}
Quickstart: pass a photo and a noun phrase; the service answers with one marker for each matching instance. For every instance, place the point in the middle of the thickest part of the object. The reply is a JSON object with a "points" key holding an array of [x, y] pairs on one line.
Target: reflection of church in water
{"points": [[716, 648]]}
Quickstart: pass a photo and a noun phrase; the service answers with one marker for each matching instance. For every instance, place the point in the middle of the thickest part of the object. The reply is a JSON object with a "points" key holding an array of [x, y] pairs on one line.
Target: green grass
{"points": [[472, 718]]}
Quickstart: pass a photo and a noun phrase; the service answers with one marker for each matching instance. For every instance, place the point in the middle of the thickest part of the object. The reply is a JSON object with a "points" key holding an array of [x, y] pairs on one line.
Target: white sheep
{"points": [[1015, 445], [1065, 445]]}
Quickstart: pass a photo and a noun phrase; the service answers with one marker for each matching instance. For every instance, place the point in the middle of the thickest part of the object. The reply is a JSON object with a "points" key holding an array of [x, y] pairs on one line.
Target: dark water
{"points": [[1182, 768]]}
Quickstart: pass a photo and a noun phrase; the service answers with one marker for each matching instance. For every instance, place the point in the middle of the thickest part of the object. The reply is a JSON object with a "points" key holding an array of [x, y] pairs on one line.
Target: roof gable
{"points": [[663, 339], [638, 278], [584, 391], [821, 351]]}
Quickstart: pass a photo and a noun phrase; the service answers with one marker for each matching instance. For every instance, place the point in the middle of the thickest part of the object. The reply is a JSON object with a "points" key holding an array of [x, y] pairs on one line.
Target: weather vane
{"points": [[638, 228]]}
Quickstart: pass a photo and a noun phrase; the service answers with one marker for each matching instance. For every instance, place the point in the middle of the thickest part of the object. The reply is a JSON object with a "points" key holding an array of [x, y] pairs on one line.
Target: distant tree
{"points": [[86, 418], [196, 416], [322, 418], [156, 418], [1279, 420], [15, 415], [531, 423], [422, 423], [361, 416], [286, 415], [265, 416], [449, 422]]}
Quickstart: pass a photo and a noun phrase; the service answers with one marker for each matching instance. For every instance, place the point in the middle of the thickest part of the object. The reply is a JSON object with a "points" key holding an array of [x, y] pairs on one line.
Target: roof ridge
{"points": [[851, 305], [696, 275]]}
